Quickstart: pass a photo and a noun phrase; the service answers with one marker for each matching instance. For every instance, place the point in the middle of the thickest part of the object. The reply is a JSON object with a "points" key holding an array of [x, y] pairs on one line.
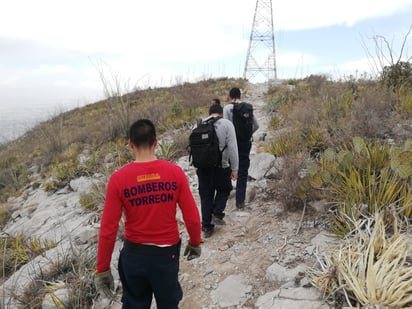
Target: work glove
{"points": [[104, 283], [192, 252]]}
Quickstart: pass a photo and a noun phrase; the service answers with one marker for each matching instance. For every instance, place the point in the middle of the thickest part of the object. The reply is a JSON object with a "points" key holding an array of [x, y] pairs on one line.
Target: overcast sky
{"points": [[51, 51]]}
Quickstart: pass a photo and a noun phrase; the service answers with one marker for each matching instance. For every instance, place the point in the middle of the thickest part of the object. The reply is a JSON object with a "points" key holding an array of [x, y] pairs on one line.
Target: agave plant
{"points": [[370, 266], [167, 151], [363, 177]]}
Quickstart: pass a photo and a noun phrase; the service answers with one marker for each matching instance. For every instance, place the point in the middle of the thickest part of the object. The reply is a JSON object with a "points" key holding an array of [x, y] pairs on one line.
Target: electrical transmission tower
{"points": [[261, 56]]}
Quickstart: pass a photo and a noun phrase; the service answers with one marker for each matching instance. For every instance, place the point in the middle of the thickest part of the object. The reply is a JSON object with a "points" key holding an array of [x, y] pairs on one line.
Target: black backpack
{"points": [[243, 121], [204, 145]]}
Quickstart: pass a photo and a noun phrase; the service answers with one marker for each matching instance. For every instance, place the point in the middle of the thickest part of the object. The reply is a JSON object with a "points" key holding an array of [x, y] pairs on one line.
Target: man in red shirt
{"points": [[147, 191]]}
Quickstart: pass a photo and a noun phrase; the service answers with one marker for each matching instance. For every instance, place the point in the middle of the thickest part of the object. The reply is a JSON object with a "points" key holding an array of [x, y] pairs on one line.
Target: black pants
{"points": [[214, 189], [244, 163], [145, 270]]}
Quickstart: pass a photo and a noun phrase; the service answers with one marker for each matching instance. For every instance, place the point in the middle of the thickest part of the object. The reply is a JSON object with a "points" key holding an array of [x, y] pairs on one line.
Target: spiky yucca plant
{"points": [[284, 145], [370, 266], [363, 177], [18, 250], [167, 151]]}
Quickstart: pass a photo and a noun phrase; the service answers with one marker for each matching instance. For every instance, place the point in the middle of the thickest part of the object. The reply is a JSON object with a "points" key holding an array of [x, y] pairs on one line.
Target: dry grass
{"points": [[18, 250], [102, 123], [73, 272], [336, 111], [321, 113], [85, 141], [371, 267], [318, 114]]}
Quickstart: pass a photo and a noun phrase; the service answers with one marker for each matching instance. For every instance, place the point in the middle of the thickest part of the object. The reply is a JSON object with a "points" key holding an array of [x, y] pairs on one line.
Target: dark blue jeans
{"points": [[214, 189], [143, 275], [244, 163]]}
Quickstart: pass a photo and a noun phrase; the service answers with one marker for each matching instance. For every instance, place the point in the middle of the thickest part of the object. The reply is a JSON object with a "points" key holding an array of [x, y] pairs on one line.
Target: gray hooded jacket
{"points": [[226, 134]]}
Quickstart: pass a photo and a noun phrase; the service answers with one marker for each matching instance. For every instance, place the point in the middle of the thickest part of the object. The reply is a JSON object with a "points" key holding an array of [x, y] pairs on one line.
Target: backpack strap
{"points": [[213, 120]]}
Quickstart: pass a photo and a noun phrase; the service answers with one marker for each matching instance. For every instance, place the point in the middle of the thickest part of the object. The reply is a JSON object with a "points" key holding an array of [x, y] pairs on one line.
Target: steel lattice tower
{"points": [[261, 56]]}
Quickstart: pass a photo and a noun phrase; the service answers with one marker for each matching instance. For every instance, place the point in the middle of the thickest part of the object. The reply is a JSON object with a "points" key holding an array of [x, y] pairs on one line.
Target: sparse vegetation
{"points": [[5, 215], [362, 178], [18, 250], [283, 145], [54, 145], [167, 151], [73, 272], [355, 153], [329, 116], [369, 267], [83, 142], [94, 199], [343, 141]]}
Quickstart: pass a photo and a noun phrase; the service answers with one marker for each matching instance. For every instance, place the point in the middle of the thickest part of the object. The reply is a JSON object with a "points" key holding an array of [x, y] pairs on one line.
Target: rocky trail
{"points": [[257, 260], [258, 251]]}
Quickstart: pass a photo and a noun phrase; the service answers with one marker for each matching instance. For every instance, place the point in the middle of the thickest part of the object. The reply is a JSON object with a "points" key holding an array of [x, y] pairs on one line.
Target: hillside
{"points": [[258, 259], [251, 241], [260, 250]]}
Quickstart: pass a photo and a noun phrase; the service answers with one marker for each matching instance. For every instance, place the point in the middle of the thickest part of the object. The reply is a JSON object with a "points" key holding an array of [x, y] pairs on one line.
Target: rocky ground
{"points": [[234, 269], [250, 242], [257, 260]]}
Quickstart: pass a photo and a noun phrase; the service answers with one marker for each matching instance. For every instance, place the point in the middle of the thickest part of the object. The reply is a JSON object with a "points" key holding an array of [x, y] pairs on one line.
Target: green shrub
{"points": [[313, 141], [404, 106], [362, 178], [167, 151], [13, 175], [284, 145], [397, 75], [5, 215], [74, 272], [18, 250], [87, 201], [50, 186], [94, 199], [275, 122]]}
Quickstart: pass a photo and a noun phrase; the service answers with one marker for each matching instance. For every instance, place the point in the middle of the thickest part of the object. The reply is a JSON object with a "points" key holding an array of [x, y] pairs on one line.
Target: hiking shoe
{"points": [[218, 221], [208, 232], [240, 205]]}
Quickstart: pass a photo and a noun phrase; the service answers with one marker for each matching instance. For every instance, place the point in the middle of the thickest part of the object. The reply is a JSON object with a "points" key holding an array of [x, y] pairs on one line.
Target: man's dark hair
{"points": [[216, 101], [142, 133], [215, 109], [234, 93]]}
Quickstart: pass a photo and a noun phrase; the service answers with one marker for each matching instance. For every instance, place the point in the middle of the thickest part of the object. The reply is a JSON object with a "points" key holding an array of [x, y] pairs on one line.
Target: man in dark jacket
{"points": [[244, 147]]}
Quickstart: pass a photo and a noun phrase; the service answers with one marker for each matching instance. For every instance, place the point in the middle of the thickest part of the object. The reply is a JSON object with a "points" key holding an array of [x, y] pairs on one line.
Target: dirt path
{"points": [[249, 243]]}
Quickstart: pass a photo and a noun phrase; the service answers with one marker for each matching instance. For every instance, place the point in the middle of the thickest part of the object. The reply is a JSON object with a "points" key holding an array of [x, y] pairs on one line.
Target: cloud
{"points": [[157, 40], [61, 83], [48, 69], [295, 64], [181, 30], [299, 15], [9, 80]]}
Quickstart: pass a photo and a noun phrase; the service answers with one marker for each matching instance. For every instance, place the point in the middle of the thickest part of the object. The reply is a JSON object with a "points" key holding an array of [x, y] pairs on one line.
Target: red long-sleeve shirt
{"points": [[148, 194]]}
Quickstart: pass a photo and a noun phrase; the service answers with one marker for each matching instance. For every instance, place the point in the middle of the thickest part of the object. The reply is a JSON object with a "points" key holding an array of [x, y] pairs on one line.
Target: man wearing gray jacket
{"points": [[215, 183]]}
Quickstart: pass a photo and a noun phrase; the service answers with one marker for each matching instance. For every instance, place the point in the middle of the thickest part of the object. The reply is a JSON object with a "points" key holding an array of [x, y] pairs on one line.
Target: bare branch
{"points": [[383, 40], [405, 39], [371, 59]]}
